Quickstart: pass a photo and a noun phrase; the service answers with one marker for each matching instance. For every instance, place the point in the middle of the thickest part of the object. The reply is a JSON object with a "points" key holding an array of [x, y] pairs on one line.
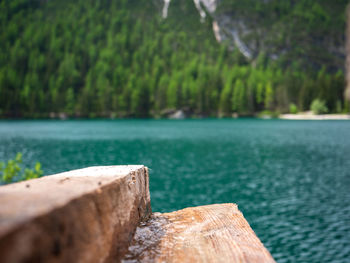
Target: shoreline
{"points": [[323, 117], [311, 116], [180, 115]]}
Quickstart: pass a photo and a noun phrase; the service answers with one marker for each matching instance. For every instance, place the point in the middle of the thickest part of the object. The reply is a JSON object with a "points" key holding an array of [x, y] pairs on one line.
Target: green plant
{"points": [[293, 108], [12, 171], [338, 107], [318, 107], [346, 108]]}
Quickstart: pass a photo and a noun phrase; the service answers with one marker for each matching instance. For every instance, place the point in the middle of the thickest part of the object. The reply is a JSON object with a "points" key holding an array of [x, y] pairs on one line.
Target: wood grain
{"points": [[87, 215], [213, 233]]}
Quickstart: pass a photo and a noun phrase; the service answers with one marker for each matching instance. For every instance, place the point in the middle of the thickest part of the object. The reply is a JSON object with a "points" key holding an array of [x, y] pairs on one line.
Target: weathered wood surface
{"points": [[214, 233], [92, 214], [87, 215]]}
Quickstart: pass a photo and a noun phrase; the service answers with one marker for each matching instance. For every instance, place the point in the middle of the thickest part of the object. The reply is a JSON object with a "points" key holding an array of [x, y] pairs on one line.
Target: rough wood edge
{"points": [[94, 223]]}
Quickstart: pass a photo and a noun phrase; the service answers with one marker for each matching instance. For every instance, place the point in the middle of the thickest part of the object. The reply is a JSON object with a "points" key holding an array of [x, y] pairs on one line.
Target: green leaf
{"points": [[18, 157], [11, 171]]}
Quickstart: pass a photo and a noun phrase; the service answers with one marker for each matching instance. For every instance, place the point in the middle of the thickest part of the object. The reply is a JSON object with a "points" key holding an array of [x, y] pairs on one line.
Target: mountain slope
{"points": [[123, 58], [309, 32]]}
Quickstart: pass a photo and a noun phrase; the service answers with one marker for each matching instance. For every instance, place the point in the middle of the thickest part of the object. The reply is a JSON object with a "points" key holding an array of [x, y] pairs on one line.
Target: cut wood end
{"points": [[213, 233], [87, 215]]}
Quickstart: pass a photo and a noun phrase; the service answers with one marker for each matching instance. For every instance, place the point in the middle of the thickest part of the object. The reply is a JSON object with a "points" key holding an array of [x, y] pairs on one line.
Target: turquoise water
{"points": [[291, 179]]}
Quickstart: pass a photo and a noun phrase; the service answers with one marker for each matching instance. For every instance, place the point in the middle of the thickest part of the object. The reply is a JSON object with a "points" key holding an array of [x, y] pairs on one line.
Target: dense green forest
{"points": [[120, 58]]}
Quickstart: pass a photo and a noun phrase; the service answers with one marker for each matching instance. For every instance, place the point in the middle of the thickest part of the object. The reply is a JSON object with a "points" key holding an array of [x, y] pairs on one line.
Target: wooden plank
{"points": [[213, 233], [87, 215]]}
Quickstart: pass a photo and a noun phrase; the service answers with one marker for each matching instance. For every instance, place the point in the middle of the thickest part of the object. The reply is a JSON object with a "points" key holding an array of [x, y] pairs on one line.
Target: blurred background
{"points": [[142, 58], [177, 86]]}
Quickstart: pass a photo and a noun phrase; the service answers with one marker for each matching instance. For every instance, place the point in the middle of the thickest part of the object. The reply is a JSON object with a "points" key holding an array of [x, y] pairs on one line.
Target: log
{"points": [[103, 214], [87, 215], [213, 233]]}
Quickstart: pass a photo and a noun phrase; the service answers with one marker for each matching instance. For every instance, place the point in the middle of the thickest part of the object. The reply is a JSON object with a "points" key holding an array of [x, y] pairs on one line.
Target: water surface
{"points": [[291, 179]]}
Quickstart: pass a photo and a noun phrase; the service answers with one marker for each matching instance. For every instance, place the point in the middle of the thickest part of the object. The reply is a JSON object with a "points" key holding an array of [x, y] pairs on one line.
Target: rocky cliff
{"points": [[304, 31]]}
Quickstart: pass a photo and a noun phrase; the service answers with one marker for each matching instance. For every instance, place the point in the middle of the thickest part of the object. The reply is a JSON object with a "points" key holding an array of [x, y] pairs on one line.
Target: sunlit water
{"points": [[291, 179]]}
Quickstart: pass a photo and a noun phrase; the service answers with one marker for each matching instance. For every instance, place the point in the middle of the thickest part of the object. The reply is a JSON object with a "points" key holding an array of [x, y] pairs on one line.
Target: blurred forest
{"points": [[105, 58]]}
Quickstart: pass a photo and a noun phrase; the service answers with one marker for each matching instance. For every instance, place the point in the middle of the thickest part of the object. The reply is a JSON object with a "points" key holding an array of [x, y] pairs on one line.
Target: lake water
{"points": [[291, 179]]}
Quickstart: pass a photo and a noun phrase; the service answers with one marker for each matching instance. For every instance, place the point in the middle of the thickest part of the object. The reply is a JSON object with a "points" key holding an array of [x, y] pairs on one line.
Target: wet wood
{"points": [[87, 215], [214, 233]]}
